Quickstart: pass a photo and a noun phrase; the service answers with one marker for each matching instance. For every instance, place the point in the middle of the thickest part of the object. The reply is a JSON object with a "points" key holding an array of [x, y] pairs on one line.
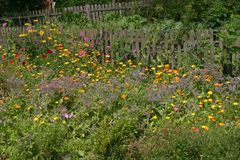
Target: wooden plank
{"points": [[179, 55]]}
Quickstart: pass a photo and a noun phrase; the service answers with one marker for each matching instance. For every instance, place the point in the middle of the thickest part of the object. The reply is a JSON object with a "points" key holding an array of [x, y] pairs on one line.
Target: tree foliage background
{"points": [[212, 14], [23, 5]]}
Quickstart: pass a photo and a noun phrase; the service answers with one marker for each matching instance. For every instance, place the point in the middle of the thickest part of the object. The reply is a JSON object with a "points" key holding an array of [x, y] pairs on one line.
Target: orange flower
{"points": [[66, 98], [217, 84], [221, 124], [206, 128], [175, 71], [11, 61], [107, 61], [176, 79], [221, 111], [213, 119], [107, 56], [17, 106], [167, 66]]}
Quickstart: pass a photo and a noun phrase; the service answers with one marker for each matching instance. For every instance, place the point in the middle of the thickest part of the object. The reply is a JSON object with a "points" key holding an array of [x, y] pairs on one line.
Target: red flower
{"points": [[18, 55], [50, 51], [61, 46], [3, 57], [11, 61], [23, 63], [195, 129]]}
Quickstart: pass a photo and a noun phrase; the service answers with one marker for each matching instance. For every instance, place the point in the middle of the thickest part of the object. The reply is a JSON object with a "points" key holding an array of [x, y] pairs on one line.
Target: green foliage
{"points": [[212, 13], [176, 142], [12, 6]]}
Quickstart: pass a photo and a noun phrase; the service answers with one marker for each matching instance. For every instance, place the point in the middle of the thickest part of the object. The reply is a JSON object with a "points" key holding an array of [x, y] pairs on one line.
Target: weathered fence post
{"points": [[87, 11]]}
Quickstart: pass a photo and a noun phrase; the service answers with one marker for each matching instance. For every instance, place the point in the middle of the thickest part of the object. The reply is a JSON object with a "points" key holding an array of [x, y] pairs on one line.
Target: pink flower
{"points": [[82, 34], [85, 39], [82, 53], [5, 25], [175, 109], [91, 45]]}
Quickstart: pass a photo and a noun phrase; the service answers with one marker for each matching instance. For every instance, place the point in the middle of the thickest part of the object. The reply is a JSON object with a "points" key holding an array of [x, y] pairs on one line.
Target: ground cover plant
{"points": [[60, 100]]}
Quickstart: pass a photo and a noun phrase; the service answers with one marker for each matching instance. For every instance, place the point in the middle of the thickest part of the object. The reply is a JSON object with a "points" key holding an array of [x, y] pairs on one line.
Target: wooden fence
{"points": [[93, 12], [200, 47]]}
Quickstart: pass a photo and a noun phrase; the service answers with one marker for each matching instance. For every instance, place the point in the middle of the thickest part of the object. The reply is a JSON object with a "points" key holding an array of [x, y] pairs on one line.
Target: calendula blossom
{"points": [[41, 33]]}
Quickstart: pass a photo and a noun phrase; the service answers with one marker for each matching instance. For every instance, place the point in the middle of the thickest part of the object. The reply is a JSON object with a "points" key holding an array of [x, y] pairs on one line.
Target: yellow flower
{"points": [[193, 114], [235, 103], [210, 93], [82, 91], [210, 100], [27, 24], [153, 68], [17, 106], [29, 108], [23, 35], [35, 20], [184, 102], [221, 124], [109, 71], [213, 106], [49, 38], [210, 117], [154, 117], [32, 30], [42, 122], [41, 33], [206, 128], [36, 119], [123, 96], [167, 118], [55, 118], [205, 100]]}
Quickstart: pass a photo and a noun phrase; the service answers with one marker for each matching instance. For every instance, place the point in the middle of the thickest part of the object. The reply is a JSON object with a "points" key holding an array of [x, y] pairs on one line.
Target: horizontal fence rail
{"points": [[199, 47], [92, 12]]}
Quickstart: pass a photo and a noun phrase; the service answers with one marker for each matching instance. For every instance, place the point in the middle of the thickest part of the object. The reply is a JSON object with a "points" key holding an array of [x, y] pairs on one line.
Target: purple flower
{"points": [[67, 116]]}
